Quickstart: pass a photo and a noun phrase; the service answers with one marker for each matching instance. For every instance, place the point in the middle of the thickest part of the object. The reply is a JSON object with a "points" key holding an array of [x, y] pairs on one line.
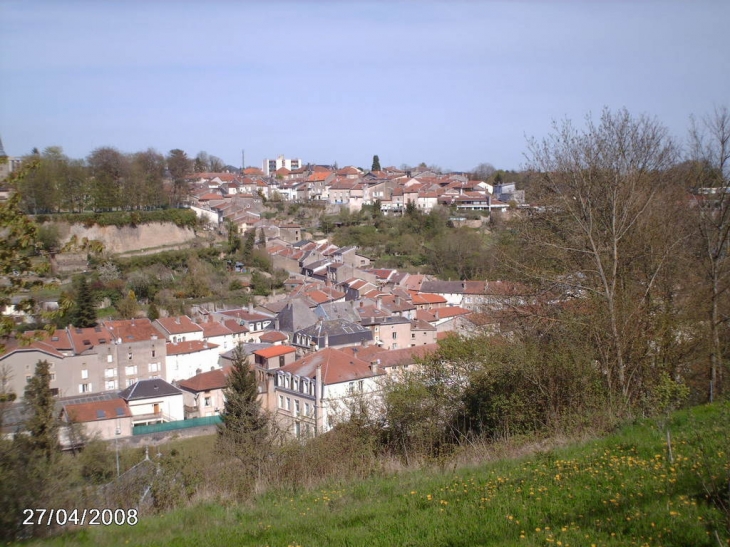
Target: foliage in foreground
{"points": [[623, 490]]}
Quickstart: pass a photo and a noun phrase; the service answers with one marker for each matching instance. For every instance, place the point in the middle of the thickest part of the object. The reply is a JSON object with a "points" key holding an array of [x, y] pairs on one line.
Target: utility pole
{"points": [[243, 161]]}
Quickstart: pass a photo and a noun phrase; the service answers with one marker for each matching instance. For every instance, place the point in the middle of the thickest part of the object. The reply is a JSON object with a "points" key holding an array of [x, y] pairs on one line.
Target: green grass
{"points": [[618, 491]]}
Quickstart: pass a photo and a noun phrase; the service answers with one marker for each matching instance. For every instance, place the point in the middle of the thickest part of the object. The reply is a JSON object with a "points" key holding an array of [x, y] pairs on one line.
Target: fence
{"points": [[172, 426]]}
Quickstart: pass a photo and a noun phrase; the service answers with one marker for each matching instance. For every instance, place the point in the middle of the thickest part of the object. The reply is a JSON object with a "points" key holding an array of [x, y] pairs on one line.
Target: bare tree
{"points": [[608, 191], [710, 156]]}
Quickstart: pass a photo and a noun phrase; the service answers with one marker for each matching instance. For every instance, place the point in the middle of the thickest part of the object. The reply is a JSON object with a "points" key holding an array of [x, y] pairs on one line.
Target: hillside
{"points": [[620, 490]]}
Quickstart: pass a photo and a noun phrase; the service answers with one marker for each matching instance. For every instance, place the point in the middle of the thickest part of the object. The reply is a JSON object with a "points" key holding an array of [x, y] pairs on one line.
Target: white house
{"points": [[154, 401], [186, 359]]}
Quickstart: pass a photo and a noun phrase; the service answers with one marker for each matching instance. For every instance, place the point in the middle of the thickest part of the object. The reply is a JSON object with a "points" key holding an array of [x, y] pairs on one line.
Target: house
{"points": [[391, 332], [186, 359], [179, 329], [313, 393], [331, 333], [203, 393], [274, 357], [154, 401], [105, 419]]}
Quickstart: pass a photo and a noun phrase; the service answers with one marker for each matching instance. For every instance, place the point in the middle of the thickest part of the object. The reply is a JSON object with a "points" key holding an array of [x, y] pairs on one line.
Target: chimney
{"points": [[177, 320], [436, 313], [326, 339], [378, 303], [375, 366], [362, 303], [397, 300], [276, 324]]}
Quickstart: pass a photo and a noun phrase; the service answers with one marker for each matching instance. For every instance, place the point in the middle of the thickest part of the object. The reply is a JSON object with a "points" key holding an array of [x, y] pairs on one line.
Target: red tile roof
{"points": [[274, 351], [206, 381], [100, 410], [179, 325], [189, 347], [273, 336], [336, 366]]}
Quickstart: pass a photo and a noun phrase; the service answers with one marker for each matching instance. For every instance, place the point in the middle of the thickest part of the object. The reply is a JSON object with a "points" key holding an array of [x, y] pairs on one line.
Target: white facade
{"points": [[269, 167], [168, 409], [181, 365]]}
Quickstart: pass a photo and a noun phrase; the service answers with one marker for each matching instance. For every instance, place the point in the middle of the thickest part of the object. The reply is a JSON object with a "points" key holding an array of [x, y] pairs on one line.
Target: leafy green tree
{"points": [[376, 163], [19, 240], [179, 165], [83, 313], [128, 306], [110, 173]]}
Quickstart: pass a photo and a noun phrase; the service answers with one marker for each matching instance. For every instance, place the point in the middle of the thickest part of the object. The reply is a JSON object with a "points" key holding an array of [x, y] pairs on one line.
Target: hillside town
{"points": [[337, 330]]}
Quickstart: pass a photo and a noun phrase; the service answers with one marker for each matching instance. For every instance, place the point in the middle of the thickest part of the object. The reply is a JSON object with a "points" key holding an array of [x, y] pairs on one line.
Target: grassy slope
{"points": [[621, 490]]}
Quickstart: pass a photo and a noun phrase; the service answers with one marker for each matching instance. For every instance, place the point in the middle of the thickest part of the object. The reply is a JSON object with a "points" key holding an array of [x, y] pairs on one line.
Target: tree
{"points": [[217, 165], [83, 314], [244, 430], [110, 172], [376, 163], [19, 235], [40, 403], [483, 171], [179, 165], [202, 162], [710, 154], [152, 312], [608, 190], [249, 241], [128, 306], [147, 174]]}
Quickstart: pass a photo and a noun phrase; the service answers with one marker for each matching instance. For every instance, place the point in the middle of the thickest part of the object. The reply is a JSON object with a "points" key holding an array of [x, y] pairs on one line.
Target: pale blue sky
{"points": [[448, 83]]}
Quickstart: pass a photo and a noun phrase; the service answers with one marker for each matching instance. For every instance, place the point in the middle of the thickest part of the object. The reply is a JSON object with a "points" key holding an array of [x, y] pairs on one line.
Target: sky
{"points": [[452, 84]]}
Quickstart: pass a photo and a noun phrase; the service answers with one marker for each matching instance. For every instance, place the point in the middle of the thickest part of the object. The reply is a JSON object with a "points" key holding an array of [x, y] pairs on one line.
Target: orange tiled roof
{"points": [[274, 351]]}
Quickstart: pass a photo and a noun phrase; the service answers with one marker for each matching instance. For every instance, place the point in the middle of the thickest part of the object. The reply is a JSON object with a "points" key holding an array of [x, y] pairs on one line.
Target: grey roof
{"points": [[296, 316], [443, 287], [390, 320], [337, 310], [339, 332], [146, 389]]}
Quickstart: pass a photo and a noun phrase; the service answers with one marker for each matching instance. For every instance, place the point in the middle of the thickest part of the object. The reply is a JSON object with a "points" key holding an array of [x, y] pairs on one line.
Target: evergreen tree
{"points": [[244, 430], [83, 314], [248, 245], [376, 163], [152, 312], [262, 238], [42, 424]]}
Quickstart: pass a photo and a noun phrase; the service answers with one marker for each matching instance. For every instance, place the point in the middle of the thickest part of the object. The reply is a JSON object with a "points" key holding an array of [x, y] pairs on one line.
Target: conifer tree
{"points": [[244, 430], [42, 424], [83, 314], [376, 163]]}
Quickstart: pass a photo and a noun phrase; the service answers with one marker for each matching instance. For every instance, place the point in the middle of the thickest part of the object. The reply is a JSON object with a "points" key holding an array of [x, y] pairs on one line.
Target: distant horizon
{"points": [[452, 84]]}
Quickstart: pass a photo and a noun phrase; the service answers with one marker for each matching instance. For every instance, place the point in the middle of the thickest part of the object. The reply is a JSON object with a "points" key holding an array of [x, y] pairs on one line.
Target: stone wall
{"points": [[128, 238]]}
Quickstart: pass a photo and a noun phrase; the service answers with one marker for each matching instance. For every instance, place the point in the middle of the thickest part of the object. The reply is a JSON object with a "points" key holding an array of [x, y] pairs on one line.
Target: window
{"points": [[306, 409], [413, 335], [296, 407], [130, 370], [281, 401], [53, 376], [27, 378], [360, 385], [281, 361], [153, 352], [207, 401], [111, 384], [84, 388], [395, 335], [288, 403], [110, 373], [84, 374], [129, 355], [394, 346], [109, 358], [131, 381], [154, 367], [297, 429], [351, 387]]}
